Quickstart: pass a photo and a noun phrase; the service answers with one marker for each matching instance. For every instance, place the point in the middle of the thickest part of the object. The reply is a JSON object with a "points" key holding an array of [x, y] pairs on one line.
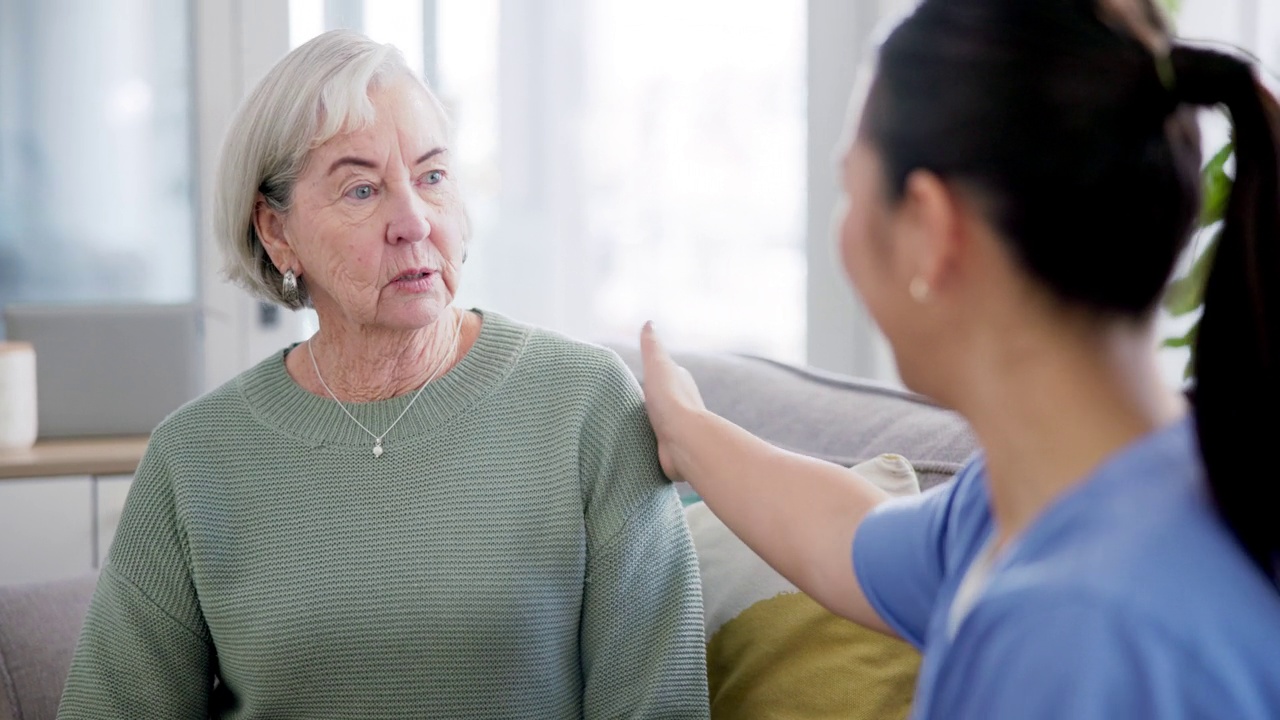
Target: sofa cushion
{"points": [[39, 627], [825, 415], [772, 651]]}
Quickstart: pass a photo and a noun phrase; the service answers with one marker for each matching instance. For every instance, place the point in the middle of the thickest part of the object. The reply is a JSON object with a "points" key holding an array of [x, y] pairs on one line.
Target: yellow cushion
{"points": [[773, 652], [788, 657]]}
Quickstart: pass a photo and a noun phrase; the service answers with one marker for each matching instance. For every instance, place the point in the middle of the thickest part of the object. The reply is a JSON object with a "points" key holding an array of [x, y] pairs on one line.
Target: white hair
{"points": [[317, 91]]}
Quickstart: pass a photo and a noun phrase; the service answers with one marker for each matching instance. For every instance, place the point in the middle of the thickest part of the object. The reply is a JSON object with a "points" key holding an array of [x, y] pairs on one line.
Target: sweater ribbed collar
{"points": [[280, 402]]}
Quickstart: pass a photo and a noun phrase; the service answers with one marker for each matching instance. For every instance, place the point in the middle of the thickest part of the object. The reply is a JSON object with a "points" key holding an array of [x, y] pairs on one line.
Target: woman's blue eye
{"points": [[361, 192], [434, 177]]}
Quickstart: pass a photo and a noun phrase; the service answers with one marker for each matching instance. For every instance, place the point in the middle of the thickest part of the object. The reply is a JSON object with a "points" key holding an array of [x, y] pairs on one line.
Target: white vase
{"points": [[17, 396]]}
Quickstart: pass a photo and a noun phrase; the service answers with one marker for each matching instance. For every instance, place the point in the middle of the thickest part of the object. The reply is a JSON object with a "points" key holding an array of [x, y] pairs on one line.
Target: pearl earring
{"points": [[919, 289]]}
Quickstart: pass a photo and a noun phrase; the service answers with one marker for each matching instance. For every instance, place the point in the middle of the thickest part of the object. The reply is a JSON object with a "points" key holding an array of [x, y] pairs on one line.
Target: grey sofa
{"points": [[820, 414]]}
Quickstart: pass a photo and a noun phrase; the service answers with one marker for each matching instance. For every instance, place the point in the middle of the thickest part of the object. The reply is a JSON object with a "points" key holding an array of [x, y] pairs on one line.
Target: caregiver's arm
{"points": [[798, 513]]}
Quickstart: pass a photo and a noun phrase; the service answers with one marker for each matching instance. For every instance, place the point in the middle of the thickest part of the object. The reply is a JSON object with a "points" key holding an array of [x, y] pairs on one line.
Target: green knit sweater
{"points": [[515, 553]]}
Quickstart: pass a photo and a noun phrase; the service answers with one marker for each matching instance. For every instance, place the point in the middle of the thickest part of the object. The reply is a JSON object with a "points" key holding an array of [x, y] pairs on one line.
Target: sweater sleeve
{"points": [[144, 649], [642, 646]]}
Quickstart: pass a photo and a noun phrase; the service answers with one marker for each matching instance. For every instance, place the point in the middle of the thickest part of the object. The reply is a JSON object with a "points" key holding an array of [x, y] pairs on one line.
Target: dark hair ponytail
{"points": [[1075, 123], [1237, 359]]}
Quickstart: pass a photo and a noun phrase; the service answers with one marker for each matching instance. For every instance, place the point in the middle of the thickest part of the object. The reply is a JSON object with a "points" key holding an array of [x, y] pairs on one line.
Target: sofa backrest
{"points": [[825, 415]]}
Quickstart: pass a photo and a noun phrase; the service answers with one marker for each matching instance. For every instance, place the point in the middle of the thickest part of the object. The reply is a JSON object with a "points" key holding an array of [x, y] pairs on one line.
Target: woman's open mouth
{"points": [[417, 280]]}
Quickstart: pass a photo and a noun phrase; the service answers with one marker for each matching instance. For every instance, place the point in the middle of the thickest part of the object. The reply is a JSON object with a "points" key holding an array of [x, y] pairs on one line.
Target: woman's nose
{"points": [[408, 221]]}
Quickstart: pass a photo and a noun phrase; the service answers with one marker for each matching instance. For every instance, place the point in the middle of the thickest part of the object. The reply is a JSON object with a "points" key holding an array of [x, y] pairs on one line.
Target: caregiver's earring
{"points": [[919, 289]]}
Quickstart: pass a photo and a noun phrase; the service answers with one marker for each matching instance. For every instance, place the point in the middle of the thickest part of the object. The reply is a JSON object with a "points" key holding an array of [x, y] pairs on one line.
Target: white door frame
{"points": [[236, 42], [841, 336]]}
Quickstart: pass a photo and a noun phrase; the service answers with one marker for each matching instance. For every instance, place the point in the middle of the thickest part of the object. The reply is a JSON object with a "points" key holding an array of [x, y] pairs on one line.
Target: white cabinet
{"points": [[46, 528], [58, 527], [60, 505], [111, 493]]}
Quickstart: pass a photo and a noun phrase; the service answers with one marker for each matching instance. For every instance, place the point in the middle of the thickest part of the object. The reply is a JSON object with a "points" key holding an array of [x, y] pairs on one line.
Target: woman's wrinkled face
{"points": [[377, 224]]}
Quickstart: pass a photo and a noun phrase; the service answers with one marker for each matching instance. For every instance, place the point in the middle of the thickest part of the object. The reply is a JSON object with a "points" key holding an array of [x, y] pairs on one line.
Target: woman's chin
{"points": [[416, 315]]}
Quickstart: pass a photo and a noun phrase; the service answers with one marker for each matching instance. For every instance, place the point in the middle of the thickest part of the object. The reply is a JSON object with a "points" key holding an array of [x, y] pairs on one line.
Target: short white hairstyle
{"points": [[317, 91]]}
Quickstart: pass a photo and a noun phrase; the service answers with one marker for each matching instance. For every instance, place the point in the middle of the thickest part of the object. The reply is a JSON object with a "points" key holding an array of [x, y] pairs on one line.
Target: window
{"points": [[619, 166], [96, 191], [627, 161]]}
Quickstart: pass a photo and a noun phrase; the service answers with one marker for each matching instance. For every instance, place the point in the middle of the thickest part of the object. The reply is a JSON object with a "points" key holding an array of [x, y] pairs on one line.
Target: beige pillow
{"points": [[773, 652]]}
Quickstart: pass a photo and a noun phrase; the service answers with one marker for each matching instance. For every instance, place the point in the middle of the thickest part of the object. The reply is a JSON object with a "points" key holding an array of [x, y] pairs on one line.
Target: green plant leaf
{"points": [[1186, 293], [1186, 341], [1215, 187], [1189, 372]]}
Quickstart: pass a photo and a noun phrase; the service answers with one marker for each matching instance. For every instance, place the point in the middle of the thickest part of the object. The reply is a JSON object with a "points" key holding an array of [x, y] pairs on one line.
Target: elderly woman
{"points": [[420, 511]]}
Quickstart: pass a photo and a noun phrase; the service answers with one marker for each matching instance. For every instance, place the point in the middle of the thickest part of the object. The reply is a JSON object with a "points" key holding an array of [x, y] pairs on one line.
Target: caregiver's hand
{"points": [[672, 398]]}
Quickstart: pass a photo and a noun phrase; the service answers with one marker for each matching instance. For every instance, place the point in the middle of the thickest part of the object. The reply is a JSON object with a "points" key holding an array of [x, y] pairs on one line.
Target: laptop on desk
{"points": [[109, 369]]}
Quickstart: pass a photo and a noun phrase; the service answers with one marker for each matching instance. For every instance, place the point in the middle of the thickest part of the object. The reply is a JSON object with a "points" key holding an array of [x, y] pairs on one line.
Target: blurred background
{"points": [[621, 160]]}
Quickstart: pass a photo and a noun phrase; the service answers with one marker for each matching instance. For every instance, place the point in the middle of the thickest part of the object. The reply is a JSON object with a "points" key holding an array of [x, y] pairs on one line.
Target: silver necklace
{"points": [[377, 439]]}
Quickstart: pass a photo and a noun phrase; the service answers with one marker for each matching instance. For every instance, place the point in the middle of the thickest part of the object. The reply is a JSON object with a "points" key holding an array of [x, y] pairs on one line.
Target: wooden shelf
{"points": [[80, 456]]}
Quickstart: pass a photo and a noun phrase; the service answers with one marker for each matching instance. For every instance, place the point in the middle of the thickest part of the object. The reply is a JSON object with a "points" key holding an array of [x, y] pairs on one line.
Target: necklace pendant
{"points": [[377, 447]]}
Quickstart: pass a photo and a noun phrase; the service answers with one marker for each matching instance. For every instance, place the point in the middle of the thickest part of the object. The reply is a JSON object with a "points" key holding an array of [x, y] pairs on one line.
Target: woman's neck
{"points": [[364, 365], [1049, 409]]}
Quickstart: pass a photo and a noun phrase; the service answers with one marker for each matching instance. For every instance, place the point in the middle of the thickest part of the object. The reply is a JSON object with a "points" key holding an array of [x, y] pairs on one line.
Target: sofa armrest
{"points": [[39, 627]]}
